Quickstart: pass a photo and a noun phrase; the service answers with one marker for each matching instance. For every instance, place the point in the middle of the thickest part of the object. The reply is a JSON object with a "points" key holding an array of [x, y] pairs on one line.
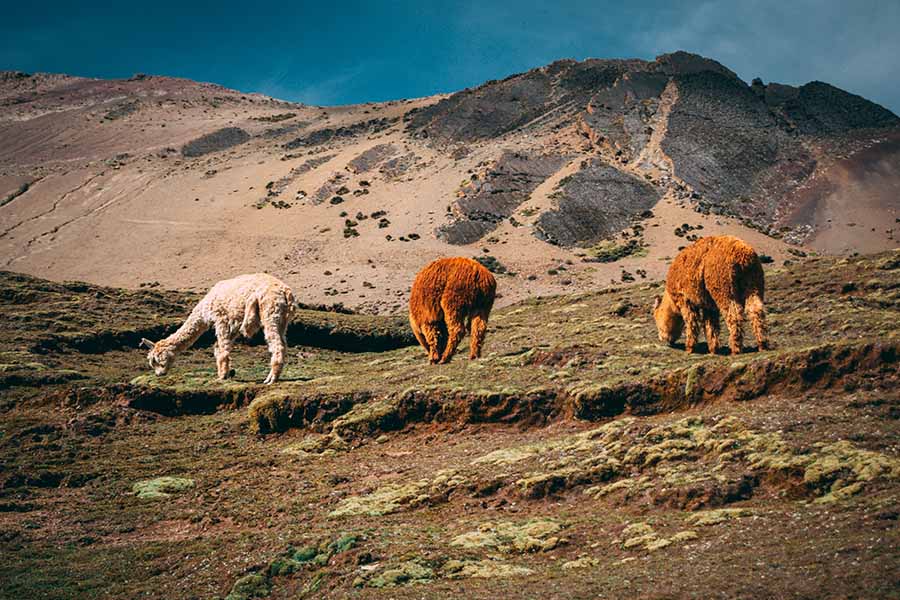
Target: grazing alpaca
{"points": [[449, 297], [715, 275], [234, 307]]}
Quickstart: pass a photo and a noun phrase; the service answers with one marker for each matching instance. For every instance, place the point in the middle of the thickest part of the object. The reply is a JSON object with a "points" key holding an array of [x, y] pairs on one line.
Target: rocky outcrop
{"points": [[737, 149], [724, 142], [328, 134], [499, 107], [493, 194], [619, 117], [597, 202], [218, 140], [370, 158], [818, 108]]}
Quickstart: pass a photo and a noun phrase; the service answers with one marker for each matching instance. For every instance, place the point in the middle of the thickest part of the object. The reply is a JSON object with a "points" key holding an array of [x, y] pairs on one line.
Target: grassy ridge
{"points": [[513, 476]]}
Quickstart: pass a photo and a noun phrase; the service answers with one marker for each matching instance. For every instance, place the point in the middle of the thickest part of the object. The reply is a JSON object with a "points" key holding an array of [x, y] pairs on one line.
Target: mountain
{"points": [[579, 457], [569, 176]]}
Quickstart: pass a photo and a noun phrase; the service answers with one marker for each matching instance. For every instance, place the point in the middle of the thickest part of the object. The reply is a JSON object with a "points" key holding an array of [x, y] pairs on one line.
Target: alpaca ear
{"points": [[145, 343]]}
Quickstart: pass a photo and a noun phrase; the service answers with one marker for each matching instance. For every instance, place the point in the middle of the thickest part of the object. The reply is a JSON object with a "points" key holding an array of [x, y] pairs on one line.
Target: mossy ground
{"points": [[406, 459]]}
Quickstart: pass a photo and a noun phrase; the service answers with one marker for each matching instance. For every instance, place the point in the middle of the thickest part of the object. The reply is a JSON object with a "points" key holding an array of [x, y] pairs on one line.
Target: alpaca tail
{"points": [[756, 312]]}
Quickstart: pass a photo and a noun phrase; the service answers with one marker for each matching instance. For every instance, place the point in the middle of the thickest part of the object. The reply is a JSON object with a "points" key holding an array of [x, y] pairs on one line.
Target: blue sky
{"points": [[348, 52]]}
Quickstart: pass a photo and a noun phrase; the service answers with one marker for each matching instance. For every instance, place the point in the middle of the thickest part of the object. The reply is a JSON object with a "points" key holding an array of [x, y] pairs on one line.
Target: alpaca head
{"points": [[668, 320], [160, 357]]}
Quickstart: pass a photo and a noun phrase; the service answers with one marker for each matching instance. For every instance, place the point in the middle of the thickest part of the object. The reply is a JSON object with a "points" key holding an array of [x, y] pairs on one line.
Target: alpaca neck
{"points": [[188, 333]]}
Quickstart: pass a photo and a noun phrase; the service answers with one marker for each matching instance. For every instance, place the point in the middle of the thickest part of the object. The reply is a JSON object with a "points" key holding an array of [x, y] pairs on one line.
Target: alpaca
{"points": [[449, 297], [233, 307], [716, 275]]}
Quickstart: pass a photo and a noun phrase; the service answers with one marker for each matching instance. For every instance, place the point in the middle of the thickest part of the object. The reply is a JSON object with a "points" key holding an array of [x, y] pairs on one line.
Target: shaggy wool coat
{"points": [[234, 307], [451, 296], [716, 276]]}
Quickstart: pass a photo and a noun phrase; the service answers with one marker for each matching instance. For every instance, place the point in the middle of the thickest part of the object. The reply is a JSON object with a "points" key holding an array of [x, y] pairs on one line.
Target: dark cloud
{"points": [[853, 45], [371, 51]]}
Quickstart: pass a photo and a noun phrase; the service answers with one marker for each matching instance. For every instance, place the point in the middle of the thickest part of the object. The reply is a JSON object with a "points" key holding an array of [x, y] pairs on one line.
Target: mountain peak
{"points": [[683, 63]]}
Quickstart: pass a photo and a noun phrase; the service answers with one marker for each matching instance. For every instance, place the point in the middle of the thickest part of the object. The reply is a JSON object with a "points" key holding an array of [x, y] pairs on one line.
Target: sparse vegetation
{"points": [[276, 118], [24, 187], [610, 251], [493, 265], [649, 457]]}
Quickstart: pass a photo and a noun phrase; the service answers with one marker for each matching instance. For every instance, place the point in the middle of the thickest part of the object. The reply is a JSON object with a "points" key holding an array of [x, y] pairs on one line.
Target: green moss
{"points": [[685, 536], [385, 500], [635, 529], [283, 566], [342, 544], [639, 541], [581, 563], [394, 497], [658, 544], [405, 573], [635, 461], [316, 444], [364, 418], [531, 536], [629, 485], [250, 586], [714, 517], [161, 487], [305, 554], [841, 493], [690, 384], [484, 569]]}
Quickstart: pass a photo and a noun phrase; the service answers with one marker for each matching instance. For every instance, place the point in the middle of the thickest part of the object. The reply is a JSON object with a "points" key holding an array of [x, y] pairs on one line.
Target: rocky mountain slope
{"points": [[570, 176]]}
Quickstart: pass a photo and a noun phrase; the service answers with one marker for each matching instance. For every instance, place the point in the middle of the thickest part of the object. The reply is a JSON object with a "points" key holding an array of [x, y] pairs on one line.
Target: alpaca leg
{"points": [[432, 335], [734, 318], [711, 324], [478, 331], [756, 312], [222, 350], [251, 322], [456, 328], [419, 336], [275, 342], [691, 328]]}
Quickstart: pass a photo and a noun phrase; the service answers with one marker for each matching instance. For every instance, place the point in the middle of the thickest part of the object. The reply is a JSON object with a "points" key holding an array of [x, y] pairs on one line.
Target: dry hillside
{"points": [[566, 177]]}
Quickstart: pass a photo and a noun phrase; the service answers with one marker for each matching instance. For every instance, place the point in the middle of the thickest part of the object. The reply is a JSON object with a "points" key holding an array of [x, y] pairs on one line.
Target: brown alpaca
{"points": [[715, 276], [449, 297]]}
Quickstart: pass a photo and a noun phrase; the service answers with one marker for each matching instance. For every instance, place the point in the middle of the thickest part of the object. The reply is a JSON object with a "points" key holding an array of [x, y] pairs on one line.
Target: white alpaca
{"points": [[233, 307]]}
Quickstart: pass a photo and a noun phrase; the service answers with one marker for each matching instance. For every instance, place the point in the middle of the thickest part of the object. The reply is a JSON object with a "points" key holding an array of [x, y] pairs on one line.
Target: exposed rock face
{"points": [[818, 108], [328, 134], [219, 140], [620, 115], [398, 166], [741, 149], [498, 107], [596, 202], [684, 63], [725, 143], [371, 157], [494, 195]]}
